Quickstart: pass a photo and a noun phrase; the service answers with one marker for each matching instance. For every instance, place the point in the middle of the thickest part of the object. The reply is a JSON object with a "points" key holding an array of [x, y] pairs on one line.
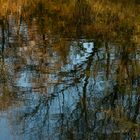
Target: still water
{"points": [[64, 78]]}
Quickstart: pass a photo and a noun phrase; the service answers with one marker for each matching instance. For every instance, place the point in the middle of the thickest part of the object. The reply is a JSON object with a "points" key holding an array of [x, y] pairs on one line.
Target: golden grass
{"points": [[110, 18]]}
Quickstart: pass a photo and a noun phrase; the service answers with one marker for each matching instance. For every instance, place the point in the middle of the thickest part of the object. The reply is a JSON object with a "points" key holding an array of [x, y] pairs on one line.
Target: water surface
{"points": [[72, 75]]}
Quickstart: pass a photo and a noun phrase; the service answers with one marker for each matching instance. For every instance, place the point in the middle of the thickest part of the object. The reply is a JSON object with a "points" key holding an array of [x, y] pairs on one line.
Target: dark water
{"points": [[60, 80]]}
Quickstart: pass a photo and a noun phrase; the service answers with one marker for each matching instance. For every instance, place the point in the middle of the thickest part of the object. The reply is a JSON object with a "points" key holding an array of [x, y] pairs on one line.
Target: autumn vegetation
{"points": [[98, 18], [106, 21]]}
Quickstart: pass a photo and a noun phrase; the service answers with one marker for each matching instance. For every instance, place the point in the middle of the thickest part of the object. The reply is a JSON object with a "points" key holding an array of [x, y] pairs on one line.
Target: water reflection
{"points": [[63, 81]]}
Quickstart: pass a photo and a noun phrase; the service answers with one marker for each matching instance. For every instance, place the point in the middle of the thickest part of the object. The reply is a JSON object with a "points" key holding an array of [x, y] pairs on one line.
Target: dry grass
{"points": [[111, 19]]}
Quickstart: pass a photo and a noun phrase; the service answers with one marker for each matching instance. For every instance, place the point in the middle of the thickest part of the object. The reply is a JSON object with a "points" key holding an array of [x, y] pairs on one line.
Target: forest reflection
{"points": [[70, 69]]}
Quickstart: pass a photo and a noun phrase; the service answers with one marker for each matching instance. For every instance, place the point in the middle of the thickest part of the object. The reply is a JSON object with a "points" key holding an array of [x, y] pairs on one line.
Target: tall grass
{"points": [[109, 17]]}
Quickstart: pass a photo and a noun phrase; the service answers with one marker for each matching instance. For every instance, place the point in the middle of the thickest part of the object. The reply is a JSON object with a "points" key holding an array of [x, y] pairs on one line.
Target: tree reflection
{"points": [[75, 74], [74, 110]]}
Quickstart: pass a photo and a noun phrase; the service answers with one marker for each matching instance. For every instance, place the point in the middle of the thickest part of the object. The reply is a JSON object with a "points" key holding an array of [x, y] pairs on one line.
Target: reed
{"points": [[109, 18]]}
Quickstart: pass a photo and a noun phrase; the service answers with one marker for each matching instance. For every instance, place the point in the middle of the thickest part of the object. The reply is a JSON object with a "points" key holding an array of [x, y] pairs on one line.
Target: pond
{"points": [[69, 70]]}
